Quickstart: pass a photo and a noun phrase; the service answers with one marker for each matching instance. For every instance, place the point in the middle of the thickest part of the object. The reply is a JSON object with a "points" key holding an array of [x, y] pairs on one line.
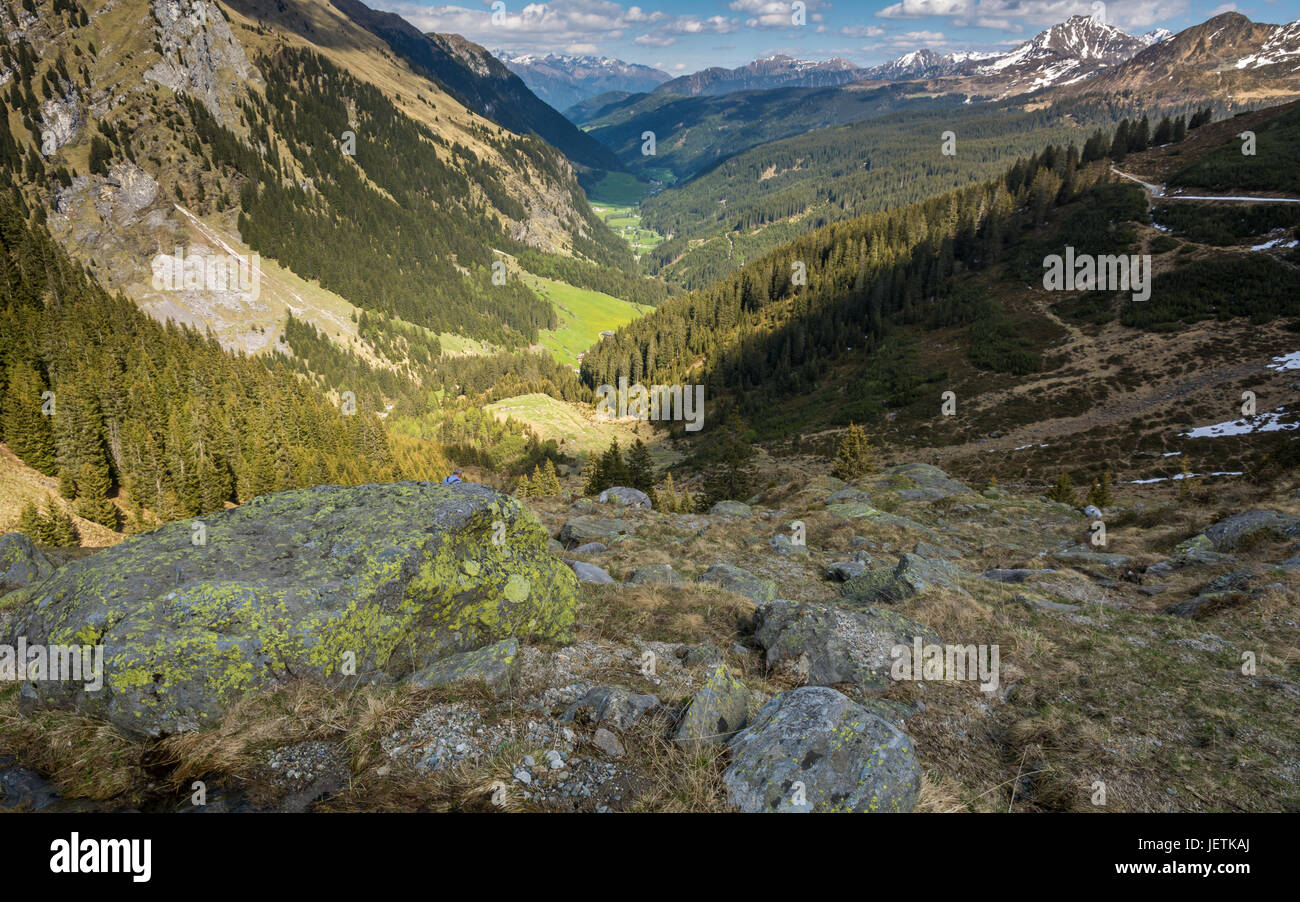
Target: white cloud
{"points": [[1013, 15], [561, 23], [862, 31]]}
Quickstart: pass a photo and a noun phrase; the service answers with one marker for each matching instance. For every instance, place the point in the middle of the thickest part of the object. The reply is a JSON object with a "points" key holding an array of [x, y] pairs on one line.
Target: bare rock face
{"points": [[200, 54], [62, 119]]}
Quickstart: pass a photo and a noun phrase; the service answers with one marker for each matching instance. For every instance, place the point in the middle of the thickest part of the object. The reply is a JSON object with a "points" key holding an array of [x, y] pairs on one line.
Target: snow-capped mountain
{"points": [[778, 71], [1068, 51], [1228, 57], [563, 80]]}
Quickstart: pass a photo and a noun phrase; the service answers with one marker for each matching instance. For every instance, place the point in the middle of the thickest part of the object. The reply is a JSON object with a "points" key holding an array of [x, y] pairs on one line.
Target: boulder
{"points": [[731, 509], [783, 545], [21, 562], [827, 645], [1228, 533], [624, 496], [610, 706], [843, 571], [1083, 556], [843, 758], [590, 573], [656, 573], [848, 496], [584, 530], [342, 584], [912, 576], [715, 712], [591, 548], [742, 582], [704, 655], [1019, 575], [494, 665]]}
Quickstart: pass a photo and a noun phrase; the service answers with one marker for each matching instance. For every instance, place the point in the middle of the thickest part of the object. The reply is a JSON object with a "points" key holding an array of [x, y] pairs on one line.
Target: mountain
{"points": [[922, 63], [563, 80], [778, 71], [480, 81], [227, 129], [1228, 57]]}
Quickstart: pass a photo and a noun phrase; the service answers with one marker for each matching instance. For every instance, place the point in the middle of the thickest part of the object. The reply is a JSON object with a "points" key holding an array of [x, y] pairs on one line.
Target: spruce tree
{"points": [[1063, 491], [640, 468], [854, 457]]}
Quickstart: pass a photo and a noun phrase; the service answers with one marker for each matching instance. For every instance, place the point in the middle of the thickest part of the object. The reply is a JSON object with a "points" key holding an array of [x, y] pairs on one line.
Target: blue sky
{"points": [[681, 36]]}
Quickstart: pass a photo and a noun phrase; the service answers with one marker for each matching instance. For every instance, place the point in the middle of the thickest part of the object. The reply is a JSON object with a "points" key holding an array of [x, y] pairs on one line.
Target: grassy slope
{"points": [[584, 314], [574, 427]]}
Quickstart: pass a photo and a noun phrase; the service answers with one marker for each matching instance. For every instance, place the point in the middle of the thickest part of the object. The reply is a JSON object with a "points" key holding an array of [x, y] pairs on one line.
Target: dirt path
{"points": [[1158, 191]]}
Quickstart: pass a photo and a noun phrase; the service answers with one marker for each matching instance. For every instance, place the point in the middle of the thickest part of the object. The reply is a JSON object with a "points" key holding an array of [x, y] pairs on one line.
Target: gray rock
{"points": [[826, 645], [591, 548], [845, 757], [848, 495], [21, 562], [22, 789], [742, 582], [625, 496], [717, 710], [704, 655], [656, 573], [495, 665], [295, 585], [784, 546], [1227, 534], [731, 509], [914, 575], [1198, 550], [842, 571], [584, 530], [1013, 576], [590, 573], [1092, 512], [610, 706], [607, 743], [1083, 556]]}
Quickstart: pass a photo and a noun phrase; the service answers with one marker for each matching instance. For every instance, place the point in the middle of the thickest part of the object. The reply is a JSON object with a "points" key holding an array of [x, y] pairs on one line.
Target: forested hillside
{"points": [[116, 405]]}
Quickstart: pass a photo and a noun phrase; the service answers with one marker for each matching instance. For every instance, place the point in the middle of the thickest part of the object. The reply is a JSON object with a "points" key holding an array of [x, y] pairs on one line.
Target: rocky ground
{"points": [[736, 660]]}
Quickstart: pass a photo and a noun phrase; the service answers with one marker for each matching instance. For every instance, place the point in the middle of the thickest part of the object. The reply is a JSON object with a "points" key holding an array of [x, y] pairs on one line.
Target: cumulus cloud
{"points": [[862, 31], [1013, 15], [561, 23]]}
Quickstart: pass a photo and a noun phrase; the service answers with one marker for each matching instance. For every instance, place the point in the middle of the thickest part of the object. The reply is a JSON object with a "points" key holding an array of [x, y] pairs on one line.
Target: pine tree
{"points": [[29, 521], [525, 487], [854, 457], [1099, 496], [60, 529], [92, 497], [1063, 491], [550, 480], [640, 469]]}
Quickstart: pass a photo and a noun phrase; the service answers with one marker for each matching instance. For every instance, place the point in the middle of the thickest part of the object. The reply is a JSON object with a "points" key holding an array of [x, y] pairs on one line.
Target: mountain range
{"points": [[563, 80]]}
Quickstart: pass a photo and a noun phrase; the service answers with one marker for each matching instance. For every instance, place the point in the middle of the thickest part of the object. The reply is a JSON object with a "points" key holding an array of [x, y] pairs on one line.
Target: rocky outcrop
{"points": [[340, 584], [200, 55]]}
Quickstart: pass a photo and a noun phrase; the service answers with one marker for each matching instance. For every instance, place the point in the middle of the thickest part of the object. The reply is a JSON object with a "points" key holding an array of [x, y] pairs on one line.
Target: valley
{"points": [[308, 308]]}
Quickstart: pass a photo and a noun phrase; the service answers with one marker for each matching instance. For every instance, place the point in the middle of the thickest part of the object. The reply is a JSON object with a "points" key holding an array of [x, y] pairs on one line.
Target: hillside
{"points": [[887, 323]]}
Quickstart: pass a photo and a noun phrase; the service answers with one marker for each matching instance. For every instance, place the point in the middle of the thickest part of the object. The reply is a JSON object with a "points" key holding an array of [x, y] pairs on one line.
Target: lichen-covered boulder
{"points": [[717, 710], [826, 645], [21, 562], [335, 583], [656, 573], [814, 750]]}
